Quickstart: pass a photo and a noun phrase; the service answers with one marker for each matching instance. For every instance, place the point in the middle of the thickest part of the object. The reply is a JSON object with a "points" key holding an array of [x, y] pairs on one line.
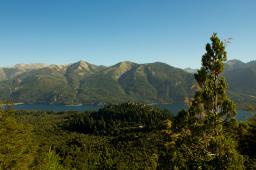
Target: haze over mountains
{"points": [[83, 82]]}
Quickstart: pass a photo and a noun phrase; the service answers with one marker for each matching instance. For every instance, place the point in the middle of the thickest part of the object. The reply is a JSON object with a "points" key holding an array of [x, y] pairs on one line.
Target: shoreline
{"points": [[10, 104]]}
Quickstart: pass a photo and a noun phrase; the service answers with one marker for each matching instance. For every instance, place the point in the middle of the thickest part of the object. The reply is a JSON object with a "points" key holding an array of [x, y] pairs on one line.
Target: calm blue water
{"points": [[242, 114], [57, 107]]}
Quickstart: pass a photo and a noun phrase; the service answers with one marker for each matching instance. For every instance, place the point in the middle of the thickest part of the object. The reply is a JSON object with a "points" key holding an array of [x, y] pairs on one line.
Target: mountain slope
{"points": [[83, 82], [242, 81], [11, 72], [158, 82], [43, 85]]}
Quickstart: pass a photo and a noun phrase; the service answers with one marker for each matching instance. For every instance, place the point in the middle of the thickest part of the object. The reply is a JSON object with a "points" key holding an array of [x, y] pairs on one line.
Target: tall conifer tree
{"points": [[202, 141]]}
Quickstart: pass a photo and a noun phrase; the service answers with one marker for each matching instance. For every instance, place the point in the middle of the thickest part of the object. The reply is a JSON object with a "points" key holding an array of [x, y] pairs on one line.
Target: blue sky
{"points": [[105, 32]]}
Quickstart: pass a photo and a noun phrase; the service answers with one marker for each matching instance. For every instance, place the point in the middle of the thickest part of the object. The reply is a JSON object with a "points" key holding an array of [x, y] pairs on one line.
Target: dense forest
{"points": [[125, 136], [136, 136]]}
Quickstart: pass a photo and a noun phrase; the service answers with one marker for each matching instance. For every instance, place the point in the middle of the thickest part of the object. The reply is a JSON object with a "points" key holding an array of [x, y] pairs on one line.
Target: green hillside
{"points": [[82, 82], [241, 78]]}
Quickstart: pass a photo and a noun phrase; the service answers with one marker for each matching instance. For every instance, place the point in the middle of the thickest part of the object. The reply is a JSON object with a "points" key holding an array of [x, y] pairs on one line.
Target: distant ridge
{"points": [[83, 82], [190, 70], [30, 66]]}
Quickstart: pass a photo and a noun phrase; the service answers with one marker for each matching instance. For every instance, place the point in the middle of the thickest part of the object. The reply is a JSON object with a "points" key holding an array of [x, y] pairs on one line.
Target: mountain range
{"points": [[82, 82]]}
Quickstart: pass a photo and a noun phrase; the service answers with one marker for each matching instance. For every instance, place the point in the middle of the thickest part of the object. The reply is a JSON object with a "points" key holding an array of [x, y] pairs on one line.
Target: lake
{"points": [[242, 114], [86, 107]]}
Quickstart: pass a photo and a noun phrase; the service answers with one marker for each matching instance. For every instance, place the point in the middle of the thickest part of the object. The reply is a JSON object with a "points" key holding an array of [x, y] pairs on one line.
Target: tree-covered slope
{"points": [[83, 82], [241, 78]]}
